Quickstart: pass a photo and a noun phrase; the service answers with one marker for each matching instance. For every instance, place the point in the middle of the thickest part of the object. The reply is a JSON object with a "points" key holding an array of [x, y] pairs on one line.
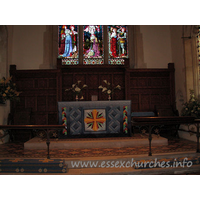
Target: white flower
{"points": [[108, 83], [73, 86], [84, 85], [109, 91], [105, 81], [118, 87], [104, 89], [79, 82], [100, 87], [81, 98], [77, 89]]}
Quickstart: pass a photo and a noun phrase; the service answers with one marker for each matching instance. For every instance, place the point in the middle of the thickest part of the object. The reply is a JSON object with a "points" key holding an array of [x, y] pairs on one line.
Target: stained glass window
{"points": [[117, 44], [68, 48], [93, 53]]}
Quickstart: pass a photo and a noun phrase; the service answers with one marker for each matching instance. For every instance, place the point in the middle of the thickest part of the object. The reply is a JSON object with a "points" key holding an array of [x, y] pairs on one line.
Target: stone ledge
{"points": [[37, 143]]}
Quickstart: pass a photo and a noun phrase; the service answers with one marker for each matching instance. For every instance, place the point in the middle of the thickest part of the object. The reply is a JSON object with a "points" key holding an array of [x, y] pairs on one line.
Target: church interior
{"points": [[99, 94]]}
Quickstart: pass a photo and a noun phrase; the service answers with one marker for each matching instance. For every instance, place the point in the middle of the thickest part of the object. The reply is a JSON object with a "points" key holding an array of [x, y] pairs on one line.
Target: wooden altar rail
{"points": [[45, 128], [150, 122], [136, 121]]}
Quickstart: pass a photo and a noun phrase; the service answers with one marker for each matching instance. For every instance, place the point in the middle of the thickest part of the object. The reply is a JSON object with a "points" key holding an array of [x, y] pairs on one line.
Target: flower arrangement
{"points": [[192, 107], [8, 90], [77, 90], [108, 89]]}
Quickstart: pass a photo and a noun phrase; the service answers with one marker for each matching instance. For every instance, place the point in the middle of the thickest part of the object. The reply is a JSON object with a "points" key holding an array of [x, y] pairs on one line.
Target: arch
{"points": [[189, 36]]}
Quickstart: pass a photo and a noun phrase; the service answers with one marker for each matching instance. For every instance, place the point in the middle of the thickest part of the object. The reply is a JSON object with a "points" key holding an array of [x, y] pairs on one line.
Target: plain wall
{"points": [[156, 45], [178, 60], [28, 46], [33, 47]]}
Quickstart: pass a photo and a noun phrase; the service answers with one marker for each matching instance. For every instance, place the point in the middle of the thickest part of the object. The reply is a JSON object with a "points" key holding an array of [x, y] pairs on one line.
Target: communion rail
{"points": [[151, 122], [45, 128]]}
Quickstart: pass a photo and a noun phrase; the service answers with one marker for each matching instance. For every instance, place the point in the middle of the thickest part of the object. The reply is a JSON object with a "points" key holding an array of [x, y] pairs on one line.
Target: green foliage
{"points": [[8, 90], [192, 107]]}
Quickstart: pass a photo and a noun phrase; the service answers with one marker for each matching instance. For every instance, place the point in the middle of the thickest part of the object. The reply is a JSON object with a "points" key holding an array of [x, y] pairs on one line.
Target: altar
{"points": [[95, 117]]}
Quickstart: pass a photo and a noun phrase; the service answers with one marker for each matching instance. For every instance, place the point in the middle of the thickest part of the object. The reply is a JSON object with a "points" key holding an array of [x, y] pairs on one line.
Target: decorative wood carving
{"points": [[42, 89], [150, 87]]}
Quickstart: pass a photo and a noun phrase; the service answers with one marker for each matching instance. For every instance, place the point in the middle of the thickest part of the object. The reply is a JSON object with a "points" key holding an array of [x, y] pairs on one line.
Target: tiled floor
{"points": [[16, 150]]}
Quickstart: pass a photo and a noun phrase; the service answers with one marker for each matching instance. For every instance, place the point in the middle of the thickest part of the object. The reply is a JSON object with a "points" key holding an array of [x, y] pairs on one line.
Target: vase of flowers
{"points": [[192, 107], [108, 89], [8, 90], [77, 90]]}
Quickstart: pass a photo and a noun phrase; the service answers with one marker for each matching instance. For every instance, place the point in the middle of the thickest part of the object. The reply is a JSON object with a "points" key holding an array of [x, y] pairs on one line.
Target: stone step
{"points": [[38, 143]]}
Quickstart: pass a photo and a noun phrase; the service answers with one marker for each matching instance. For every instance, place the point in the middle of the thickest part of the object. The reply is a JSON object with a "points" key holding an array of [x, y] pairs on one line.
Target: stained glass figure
{"points": [[93, 44], [117, 44], [68, 48]]}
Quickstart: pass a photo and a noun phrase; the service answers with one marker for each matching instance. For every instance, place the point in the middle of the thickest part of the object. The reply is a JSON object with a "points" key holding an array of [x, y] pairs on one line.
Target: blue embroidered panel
{"points": [[96, 117]]}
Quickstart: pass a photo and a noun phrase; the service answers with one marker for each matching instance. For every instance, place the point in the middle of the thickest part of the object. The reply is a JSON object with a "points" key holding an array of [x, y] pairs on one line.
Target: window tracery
{"points": [[93, 44]]}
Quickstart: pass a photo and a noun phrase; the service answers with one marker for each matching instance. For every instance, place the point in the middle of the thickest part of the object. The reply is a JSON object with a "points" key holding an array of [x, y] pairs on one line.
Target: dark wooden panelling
{"points": [[119, 78], [119, 95], [52, 118], [41, 118], [42, 89], [51, 103], [41, 103], [93, 81], [93, 92], [155, 99], [30, 102], [151, 87], [93, 76], [39, 92]]}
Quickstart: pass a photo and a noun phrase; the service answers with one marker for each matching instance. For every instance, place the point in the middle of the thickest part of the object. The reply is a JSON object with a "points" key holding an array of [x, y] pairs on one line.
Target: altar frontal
{"points": [[96, 117]]}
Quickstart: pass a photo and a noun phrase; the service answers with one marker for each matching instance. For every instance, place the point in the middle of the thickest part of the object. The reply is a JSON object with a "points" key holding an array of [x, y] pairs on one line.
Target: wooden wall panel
{"points": [[39, 91], [93, 81], [93, 76], [51, 103], [42, 89], [152, 87]]}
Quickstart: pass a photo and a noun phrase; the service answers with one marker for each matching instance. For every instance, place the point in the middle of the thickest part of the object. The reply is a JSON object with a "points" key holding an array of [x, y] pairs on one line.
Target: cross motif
{"points": [[94, 119]]}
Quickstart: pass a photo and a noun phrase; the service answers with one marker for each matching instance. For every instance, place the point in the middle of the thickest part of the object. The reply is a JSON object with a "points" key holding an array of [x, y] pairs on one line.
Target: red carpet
{"points": [[16, 150]]}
